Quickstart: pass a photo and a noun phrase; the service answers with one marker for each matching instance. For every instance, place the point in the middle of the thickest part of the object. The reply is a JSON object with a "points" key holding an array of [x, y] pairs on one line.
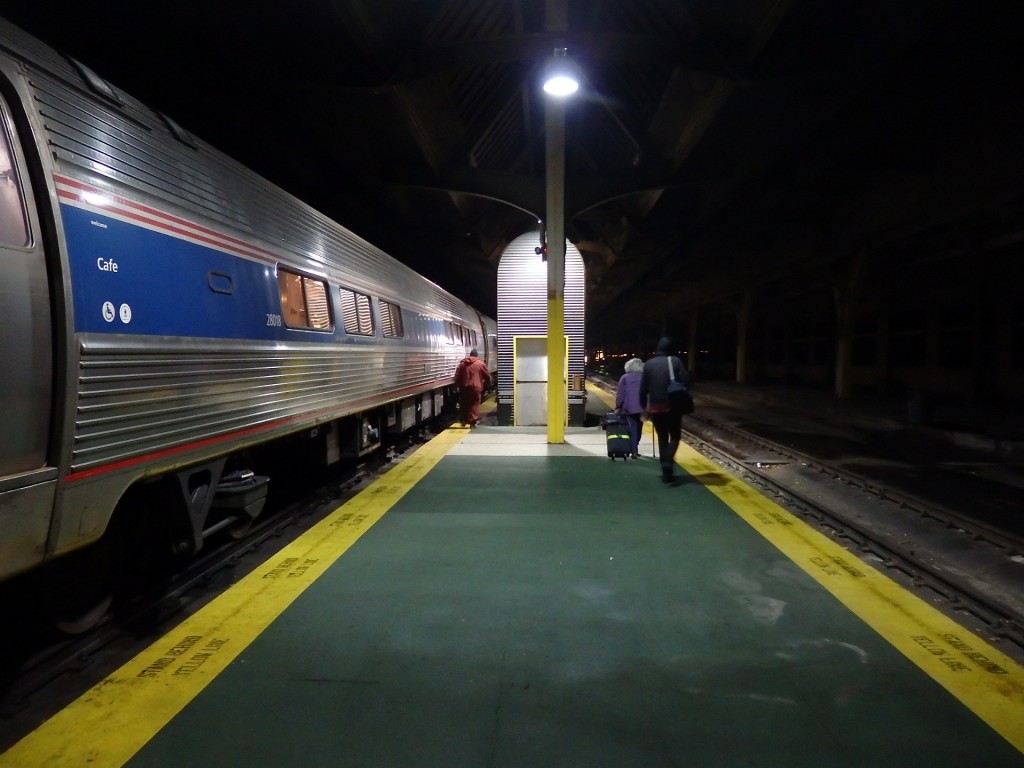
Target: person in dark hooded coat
{"points": [[664, 414], [472, 378]]}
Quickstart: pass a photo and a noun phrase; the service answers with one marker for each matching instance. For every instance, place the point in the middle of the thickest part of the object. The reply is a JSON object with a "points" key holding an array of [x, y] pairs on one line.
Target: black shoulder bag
{"points": [[679, 397]]}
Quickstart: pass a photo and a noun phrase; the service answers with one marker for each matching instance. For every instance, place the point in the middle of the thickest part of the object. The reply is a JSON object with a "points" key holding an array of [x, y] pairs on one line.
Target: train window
{"points": [[391, 320], [355, 313], [304, 301], [317, 305], [13, 225]]}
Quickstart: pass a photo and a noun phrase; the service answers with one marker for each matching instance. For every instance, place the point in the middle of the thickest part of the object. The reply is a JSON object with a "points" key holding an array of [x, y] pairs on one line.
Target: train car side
{"points": [[171, 309]]}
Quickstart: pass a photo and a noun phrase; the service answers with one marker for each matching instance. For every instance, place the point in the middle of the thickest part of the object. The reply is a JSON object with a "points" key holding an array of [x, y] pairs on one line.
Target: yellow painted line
{"points": [[981, 677], [984, 679], [112, 721]]}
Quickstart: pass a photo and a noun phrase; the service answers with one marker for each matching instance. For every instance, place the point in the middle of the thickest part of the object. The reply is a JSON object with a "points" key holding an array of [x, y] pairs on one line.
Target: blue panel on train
{"points": [[135, 280]]}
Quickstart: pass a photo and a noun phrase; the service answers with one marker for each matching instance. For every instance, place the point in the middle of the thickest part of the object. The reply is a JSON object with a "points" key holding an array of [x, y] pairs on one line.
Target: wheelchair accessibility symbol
{"points": [[109, 313]]}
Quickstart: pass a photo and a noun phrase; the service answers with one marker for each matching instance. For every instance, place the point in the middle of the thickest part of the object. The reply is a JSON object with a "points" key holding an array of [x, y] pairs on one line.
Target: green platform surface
{"points": [[570, 611]]}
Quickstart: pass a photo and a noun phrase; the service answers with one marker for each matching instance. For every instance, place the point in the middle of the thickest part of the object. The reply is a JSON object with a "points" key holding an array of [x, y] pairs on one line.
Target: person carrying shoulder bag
{"points": [[664, 390]]}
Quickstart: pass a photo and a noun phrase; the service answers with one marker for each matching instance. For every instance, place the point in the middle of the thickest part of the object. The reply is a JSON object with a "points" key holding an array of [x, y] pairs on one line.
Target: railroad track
{"points": [[1009, 542]]}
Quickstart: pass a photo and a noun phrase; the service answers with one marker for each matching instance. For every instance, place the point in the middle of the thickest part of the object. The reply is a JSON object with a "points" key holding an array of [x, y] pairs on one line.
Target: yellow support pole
{"points": [[554, 129], [556, 370]]}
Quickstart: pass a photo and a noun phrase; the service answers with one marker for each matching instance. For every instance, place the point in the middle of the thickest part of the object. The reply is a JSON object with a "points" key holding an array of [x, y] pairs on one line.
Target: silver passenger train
{"points": [[166, 310]]}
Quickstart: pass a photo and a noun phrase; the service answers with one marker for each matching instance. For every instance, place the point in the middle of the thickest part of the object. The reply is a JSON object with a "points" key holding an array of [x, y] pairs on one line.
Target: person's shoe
{"points": [[666, 475]]}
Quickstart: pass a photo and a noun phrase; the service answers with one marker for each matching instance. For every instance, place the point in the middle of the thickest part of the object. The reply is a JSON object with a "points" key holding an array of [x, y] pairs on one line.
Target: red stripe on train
{"points": [[85, 474]]}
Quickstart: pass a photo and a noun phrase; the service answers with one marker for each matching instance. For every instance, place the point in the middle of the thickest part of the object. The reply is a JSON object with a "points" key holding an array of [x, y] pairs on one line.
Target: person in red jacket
{"points": [[472, 378]]}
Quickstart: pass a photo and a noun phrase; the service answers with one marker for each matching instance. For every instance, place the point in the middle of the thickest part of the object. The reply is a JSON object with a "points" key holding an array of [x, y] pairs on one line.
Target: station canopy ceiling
{"points": [[713, 148]]}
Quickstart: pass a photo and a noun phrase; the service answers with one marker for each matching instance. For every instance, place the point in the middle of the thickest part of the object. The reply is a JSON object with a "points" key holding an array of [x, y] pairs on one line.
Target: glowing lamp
{"points": [[561, 77]]}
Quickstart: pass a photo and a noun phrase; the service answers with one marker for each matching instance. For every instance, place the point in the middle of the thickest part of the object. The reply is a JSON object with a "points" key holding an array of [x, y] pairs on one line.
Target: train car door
{"points": [[27, 480]]}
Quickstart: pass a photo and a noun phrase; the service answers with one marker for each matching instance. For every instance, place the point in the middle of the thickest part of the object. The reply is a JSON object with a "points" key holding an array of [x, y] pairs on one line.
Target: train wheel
{"points": [[80, 587], [83, 622], [240, 528]]}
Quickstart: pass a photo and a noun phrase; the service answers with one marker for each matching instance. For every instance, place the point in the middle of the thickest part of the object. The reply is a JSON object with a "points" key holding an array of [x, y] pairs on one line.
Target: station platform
{"points": [[500, 602]]}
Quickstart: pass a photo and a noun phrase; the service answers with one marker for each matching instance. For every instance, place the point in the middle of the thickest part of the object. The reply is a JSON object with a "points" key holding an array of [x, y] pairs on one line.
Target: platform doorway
{"points": [[530, 374]]}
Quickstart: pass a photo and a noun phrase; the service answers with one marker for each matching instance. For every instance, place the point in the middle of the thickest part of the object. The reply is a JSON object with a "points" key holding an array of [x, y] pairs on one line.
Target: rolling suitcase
{"points": [[616, 428]]}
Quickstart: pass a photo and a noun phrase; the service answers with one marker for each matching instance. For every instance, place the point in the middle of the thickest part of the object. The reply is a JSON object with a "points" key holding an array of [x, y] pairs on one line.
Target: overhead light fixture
{"points": [[561, 77]]}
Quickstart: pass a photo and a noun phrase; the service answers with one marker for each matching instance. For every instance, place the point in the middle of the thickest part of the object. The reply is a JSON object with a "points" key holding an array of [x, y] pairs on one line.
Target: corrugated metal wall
{"points": [[141, 395], [523, 311]]}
